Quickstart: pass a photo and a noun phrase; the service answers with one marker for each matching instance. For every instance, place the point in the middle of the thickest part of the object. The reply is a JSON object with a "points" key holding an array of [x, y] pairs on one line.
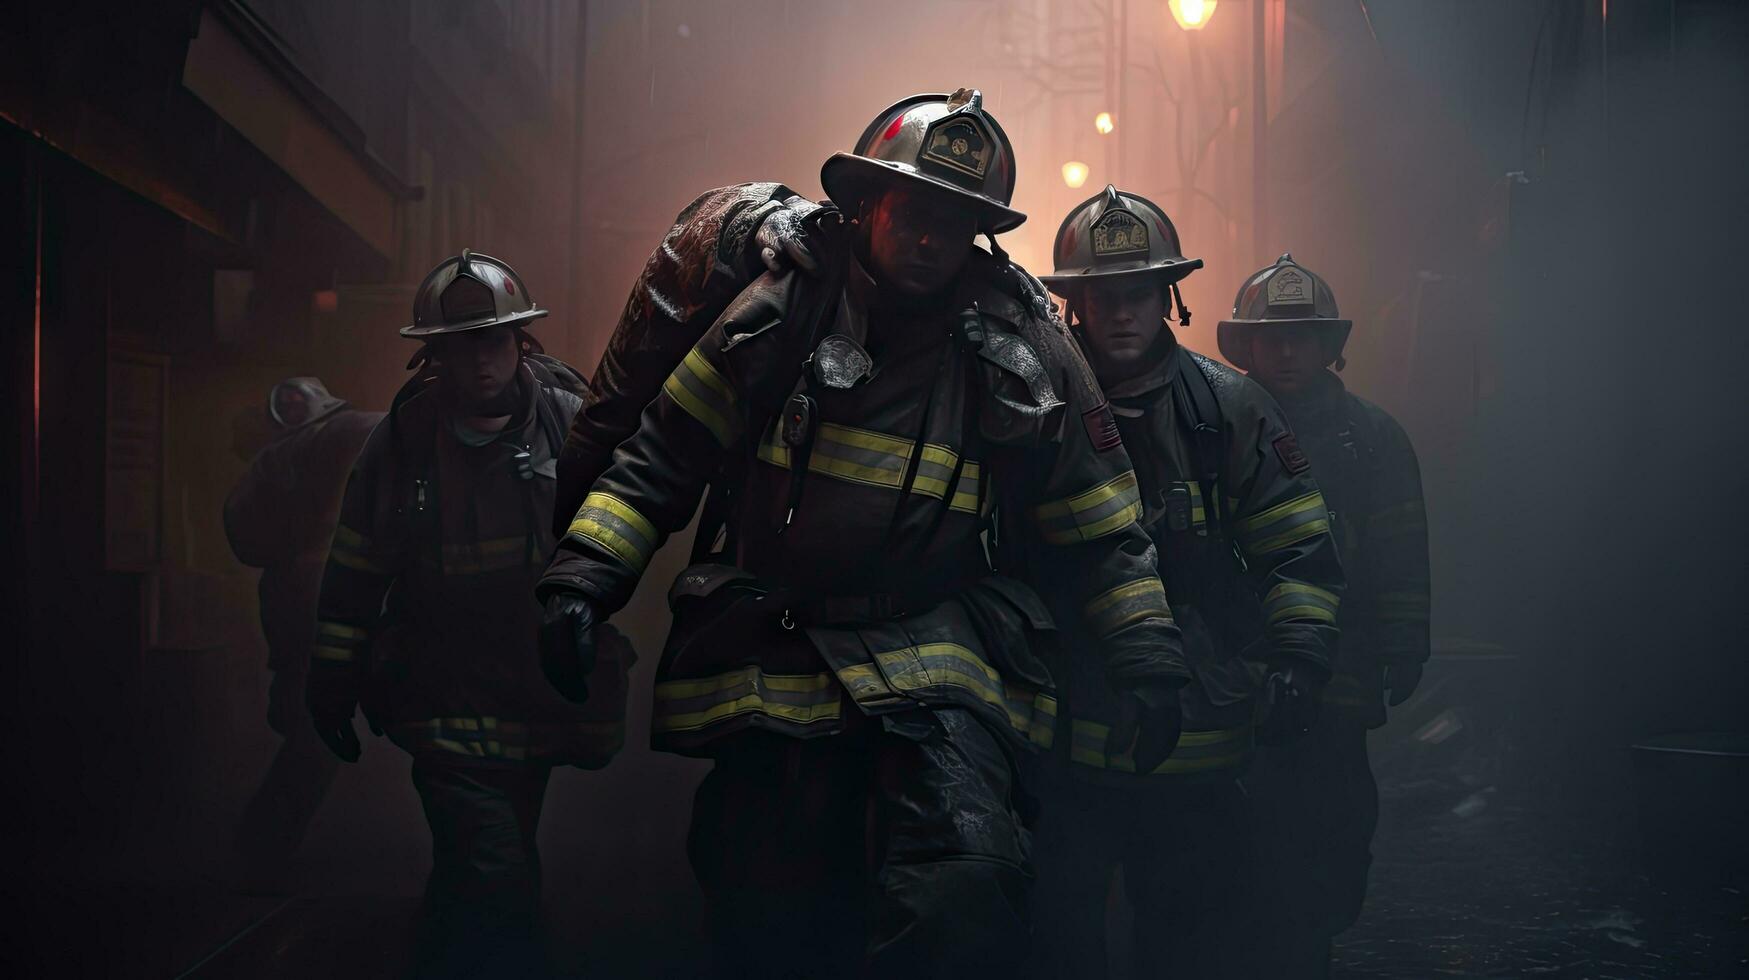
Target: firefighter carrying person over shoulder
{"points": [[1317, 797], [425, 612], [843, 649], [1251, 573], [280, 518]]}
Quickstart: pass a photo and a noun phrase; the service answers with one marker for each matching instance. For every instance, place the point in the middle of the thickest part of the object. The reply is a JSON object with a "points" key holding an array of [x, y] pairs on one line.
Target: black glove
{"points": [[1292, 695], [567, 644], [332, 699], [1401, 680], [1149, 724], [780, 244]]}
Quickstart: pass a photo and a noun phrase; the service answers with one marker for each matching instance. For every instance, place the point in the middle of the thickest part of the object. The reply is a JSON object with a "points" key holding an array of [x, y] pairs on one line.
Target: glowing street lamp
{"points": [[1192, 15], [1074, 173], [1103, 123]]}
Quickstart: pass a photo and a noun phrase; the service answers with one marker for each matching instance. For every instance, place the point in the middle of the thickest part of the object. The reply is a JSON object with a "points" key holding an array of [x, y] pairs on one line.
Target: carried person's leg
{"points": [[950, 851]]}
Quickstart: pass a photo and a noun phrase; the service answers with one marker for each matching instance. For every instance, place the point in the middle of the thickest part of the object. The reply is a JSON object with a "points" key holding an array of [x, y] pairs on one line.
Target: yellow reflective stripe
{"points": [[346, 536], [749, 703], [877, 459], [355, 561], [1305, 503], [352, 550], [1032, 714], [1285, 524], [965, 496], [1203, 751], [690, 704], [1130, 602], [701, 392], [693, 687], [1198, 512], [485, 737], [1310, 529], [865, 684], [1284, 613], [927, 665], [337, 642], [1299, 600], [1092, 514], [616, 527], [339, 631]]}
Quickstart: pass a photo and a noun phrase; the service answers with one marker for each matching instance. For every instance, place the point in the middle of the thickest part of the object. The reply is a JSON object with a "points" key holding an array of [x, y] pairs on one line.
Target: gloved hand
{"points": [[332, 698], [1292, 695], [1401, 680], [567, 644], [285, 695], [1149, 725], [780, 244]]}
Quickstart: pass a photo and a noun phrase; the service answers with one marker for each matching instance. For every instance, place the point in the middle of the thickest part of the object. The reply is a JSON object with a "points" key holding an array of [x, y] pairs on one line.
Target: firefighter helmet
{"points": [[1116, 233], [1284, 294], [469, 292], [943, 141], [297, 402]]}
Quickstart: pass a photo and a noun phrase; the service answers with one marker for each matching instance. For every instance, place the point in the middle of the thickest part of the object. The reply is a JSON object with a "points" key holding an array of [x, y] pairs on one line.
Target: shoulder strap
{"points": [[1200, 413], [412, 484]]}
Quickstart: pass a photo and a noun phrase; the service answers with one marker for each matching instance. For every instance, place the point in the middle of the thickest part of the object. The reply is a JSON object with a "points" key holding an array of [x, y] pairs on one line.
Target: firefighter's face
{"points": [[1122, 319], [477, 365], [917, 240], [1287, 358]]}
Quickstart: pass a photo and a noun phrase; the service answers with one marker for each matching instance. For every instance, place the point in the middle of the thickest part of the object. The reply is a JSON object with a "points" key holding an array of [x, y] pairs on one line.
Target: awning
{"points": [[249, 82]]}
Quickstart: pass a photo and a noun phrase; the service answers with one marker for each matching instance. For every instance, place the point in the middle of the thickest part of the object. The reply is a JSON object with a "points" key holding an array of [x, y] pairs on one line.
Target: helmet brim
{"points": [[849, 178], [417, 332], [1234, 336], [1174, 270]]}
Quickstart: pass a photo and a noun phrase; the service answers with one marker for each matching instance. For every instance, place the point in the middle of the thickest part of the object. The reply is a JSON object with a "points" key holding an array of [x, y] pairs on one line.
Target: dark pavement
{"points": [[1485, 867], [1488, 887]]}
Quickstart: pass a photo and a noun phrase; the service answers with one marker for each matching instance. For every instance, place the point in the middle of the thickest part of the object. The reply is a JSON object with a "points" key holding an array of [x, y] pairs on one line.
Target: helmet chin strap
{"points": [[995, 249], [1183, 311]]}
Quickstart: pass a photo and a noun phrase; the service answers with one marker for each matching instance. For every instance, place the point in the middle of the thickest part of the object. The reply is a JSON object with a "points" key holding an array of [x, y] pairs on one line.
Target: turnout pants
{"points": [[891, 850], [1317, 806], [481, 901], [1184, 845]]}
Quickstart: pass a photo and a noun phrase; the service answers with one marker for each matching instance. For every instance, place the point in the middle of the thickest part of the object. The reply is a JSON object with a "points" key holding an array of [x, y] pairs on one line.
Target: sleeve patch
{"points": [[1292, 457], [1102, 428]]}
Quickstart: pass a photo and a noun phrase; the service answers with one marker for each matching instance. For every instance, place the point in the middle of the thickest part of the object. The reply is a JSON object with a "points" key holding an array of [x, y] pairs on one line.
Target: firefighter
{"points": [[1317, 797], [1251, 573], [844, 649], [426, 615], [279, 518]]}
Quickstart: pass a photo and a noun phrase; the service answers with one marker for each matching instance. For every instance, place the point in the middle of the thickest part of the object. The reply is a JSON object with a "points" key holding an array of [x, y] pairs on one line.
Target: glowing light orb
{"points": [[1103, 123], [1192, 15], [1075, 173]]}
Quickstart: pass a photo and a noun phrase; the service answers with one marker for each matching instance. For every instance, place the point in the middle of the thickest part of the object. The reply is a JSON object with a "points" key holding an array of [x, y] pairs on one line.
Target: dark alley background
{"points": [[1533, 210]]}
